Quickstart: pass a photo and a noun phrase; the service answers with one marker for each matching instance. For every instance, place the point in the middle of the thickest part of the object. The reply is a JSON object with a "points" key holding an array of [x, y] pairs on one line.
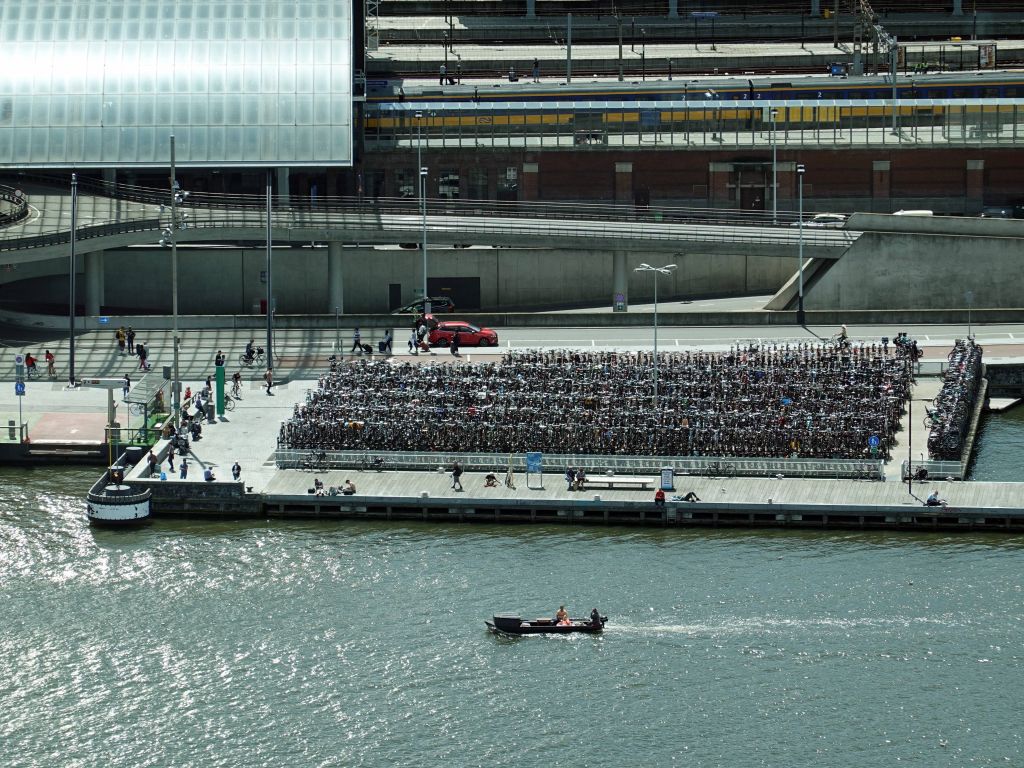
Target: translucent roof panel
{"points": [[104, 83]]}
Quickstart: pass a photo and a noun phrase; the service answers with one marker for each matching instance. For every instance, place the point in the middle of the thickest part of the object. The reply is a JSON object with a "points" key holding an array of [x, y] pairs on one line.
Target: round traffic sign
{"points": [[19, 359], [873, 441]]}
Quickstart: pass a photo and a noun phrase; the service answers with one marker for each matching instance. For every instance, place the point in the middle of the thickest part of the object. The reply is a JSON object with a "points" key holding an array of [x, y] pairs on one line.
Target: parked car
{"points": [[996, 212], [469, 335], [827, 220], [437, 304]]}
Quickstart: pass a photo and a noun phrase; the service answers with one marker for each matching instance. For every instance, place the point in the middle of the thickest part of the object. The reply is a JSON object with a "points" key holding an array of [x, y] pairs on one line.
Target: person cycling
{"points": [[51, 368], [30, 364], [236, 384], [250, 349]]}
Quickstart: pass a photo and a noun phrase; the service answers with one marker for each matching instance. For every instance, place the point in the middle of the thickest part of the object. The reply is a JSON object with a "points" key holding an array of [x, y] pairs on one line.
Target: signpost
{"points": [[19, 387], [535, 465]]}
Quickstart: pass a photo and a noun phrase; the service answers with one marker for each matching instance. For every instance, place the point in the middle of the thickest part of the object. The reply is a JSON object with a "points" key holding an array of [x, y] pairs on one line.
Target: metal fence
{"points": [[937, 470], [593, 464]]}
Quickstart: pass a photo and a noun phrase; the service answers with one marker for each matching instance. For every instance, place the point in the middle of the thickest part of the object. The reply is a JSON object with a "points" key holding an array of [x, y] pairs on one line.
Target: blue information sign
{"points": [[704, 14], [873, 441], [19, 388], [103, 320], [534, 462]]}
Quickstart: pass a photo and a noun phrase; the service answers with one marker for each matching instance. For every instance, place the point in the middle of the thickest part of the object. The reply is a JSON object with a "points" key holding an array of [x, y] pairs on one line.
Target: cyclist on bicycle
{"points": [[236, 384], [250, 350], [30, 363], [51, 368]]}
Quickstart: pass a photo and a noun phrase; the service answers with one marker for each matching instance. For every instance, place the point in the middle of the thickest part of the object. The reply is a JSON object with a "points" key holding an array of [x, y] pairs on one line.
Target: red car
{"points": [[469, 335]]}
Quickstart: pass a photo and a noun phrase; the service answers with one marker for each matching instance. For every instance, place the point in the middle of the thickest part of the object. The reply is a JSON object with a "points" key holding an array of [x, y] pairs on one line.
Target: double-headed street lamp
{"points": [[665, 270], [801, 319]]}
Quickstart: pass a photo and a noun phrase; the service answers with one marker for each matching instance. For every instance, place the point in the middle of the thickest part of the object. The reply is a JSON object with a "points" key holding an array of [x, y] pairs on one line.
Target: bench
{"points": [[635, 483]]}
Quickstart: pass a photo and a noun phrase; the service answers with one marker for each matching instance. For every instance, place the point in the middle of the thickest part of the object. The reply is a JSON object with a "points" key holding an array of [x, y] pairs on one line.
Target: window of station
{"points": [[448, 185], [405, 182], [476, 184], [508, 185]]}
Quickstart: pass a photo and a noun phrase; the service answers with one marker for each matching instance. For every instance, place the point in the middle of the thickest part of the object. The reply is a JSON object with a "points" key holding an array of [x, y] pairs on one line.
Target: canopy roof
{"points": [[103, 83]]}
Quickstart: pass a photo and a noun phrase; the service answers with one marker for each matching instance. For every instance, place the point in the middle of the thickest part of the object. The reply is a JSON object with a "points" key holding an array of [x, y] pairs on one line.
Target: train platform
{"points": [[488, 63]]}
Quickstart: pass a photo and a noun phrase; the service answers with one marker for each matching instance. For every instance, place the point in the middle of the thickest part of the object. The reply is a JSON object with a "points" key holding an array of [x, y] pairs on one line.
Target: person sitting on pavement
{"points": [[933, 500], [691, 496], [581, 480], [349, 488], [490, 480], [208, 475], [570, 478], [318, 487], [659, 498]]}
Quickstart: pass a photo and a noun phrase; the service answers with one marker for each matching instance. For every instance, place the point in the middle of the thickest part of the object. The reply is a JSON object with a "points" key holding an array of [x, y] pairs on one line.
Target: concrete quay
{"points": [[248, 435]]}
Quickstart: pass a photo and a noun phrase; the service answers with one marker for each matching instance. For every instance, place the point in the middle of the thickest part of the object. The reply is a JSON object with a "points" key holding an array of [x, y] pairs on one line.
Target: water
{"points": [[344, 644], [999, 446]]}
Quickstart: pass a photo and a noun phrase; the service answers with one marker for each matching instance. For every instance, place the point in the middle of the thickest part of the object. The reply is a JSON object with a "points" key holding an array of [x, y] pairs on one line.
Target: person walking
{"points": [[183, 474], [357, 341], [120, 335], [414, 343], [151, 461], [170, 458], [536, 70], [130, 336], [143, 353], [236, 471], [126, 385], [386, 343], [443, 71], [455, 344], [456, 475], [268, 377]]}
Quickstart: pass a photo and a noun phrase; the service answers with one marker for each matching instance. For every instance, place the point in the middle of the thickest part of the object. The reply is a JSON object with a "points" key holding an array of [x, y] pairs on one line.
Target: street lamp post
{"points": [[71, 282], [775, 170], [175, 198], [643, 54], [423, 198], [665, 270], [801, 319]]}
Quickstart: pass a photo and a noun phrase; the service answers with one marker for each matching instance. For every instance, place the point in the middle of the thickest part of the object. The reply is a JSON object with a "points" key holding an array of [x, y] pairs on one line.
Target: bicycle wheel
{"points": [[244, 361], [710, 470], [137, 409], [729, 470], [229, 403], [260, 358]]}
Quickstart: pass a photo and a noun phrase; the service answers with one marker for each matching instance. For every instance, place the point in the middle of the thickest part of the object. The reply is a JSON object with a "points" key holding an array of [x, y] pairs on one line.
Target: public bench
{"points": [[633, 483]]}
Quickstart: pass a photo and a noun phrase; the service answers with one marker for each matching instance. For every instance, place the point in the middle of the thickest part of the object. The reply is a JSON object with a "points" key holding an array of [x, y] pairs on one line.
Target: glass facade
{"points": [[103, 83]]}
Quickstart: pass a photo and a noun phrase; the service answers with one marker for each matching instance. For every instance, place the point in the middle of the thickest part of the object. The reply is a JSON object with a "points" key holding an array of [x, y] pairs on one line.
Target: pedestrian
{"points": [[143, 353], [170, 457], [456, 475], [536, 70], [357, 341], [269, 378], [218, 361], [443, 71], [455, 344], [126, 385], [386, 348], [659, 499], [120, 335], [130, 336], [512, 74], [184, 469], [413, 342], [236, 471], [151, 460]]}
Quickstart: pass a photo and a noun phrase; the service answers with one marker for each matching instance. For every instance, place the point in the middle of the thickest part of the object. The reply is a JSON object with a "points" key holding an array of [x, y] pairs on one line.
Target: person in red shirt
{"points": [[659, 498]]}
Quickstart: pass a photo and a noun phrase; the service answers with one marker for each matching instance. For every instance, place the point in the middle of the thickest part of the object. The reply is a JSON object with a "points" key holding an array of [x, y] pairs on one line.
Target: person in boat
{"points": [[562, 617], [595, 618]]}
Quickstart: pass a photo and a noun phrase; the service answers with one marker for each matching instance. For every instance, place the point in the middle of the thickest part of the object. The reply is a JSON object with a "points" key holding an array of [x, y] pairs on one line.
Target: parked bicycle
{"points": [[720, 469], [316, 461], [376, 463]]}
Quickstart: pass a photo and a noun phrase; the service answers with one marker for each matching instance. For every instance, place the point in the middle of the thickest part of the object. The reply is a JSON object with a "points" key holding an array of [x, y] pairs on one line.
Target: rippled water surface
{"points": [[338, 644]]}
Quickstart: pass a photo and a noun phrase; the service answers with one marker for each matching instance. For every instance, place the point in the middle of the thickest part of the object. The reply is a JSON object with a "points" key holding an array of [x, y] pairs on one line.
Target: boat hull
{"points": [[513, 625]]}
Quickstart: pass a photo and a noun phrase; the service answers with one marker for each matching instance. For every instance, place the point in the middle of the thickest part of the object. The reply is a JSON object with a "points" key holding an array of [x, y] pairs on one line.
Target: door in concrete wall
{"points": [[394, 295], [751, 198], [464, 291]]}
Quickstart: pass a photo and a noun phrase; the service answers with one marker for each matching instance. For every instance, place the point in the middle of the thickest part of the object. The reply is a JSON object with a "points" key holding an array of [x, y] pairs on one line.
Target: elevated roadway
{"points": [[115, 222]]}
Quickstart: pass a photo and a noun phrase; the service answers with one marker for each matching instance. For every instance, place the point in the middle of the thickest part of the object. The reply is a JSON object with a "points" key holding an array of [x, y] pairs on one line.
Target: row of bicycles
{"points": [[948, 419]]}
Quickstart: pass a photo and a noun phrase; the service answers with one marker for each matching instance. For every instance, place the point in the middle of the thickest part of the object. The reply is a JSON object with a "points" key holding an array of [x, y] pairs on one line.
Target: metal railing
{"points": [[15, 207], [722, 466], [937, 470], [463, 218]]}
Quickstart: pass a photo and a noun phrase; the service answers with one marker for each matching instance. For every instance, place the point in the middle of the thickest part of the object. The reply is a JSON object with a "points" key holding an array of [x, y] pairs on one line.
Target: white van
{"points": [[914, 213]]}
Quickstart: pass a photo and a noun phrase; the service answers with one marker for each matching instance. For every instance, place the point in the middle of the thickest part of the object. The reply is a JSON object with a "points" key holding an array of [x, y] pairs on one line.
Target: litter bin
{"points": [[209, 411]]}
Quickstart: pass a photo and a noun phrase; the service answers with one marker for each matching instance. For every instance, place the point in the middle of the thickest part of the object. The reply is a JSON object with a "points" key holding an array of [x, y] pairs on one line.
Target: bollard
{"points": [[11, 429]]}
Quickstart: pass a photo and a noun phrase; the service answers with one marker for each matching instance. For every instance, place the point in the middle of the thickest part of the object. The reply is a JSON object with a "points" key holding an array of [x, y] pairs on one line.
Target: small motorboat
{"points": [[514, 625]]}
